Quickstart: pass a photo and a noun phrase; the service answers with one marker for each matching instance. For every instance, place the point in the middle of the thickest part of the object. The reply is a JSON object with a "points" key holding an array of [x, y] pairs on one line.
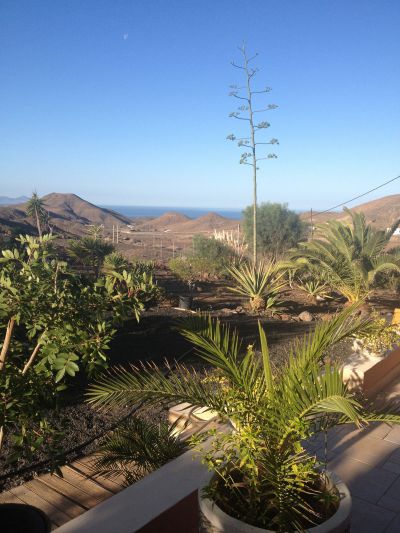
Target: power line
{"points": [[356, 197]]}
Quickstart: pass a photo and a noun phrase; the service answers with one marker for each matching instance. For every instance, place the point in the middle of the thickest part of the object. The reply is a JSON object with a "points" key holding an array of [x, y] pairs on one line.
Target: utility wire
{"points": [[316, 213]]}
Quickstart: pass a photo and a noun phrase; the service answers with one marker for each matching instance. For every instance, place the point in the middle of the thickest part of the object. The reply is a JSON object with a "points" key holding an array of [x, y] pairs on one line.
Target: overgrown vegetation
{"points": [[210, 259]]}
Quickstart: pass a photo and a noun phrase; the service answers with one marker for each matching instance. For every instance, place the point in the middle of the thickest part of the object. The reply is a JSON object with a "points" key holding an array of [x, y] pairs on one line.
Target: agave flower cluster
{"points": [[263, 474]]}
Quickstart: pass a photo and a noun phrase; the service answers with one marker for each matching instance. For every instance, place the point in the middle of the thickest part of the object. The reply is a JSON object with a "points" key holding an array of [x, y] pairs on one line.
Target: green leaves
{"points": [[63, 322]]}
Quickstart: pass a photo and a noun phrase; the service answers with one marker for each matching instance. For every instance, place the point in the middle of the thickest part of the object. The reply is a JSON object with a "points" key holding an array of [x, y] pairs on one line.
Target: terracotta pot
{"points": [[222, 523]]}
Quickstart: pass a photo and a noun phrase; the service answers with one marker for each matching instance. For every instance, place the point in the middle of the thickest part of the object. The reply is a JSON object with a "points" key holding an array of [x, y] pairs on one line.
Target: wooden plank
{"points": [[88, 460], [84, 483], [55, 515], [55, 498], [70, 491], [9, 497], [88, 463], [107, 483]]}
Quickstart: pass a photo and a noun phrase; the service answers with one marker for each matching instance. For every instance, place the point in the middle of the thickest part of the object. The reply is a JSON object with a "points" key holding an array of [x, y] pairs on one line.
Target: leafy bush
{"points": [[54, 324], [278, 228], [210, 257], [183, 268]]}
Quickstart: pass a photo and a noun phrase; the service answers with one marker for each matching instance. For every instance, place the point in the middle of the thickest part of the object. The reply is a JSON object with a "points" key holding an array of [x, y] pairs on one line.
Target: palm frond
{"points": [[149, 384]]}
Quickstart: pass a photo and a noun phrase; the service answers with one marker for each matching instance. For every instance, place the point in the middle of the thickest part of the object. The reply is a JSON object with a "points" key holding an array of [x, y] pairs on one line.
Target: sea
{"points": [[156, 211]]}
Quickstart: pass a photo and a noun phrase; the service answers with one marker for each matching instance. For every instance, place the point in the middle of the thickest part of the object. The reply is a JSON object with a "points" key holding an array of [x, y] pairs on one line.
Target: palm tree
{"points": [[90, 251], [96, 230], [264, 475], [35, 209], [349, 256], [137, 448]]}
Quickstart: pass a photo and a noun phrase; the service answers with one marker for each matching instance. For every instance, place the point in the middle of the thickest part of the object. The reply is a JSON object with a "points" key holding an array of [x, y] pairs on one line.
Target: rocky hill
{"points": [[68, 214], [177, 223], [382, 213], [6, 200], [163, 222]]}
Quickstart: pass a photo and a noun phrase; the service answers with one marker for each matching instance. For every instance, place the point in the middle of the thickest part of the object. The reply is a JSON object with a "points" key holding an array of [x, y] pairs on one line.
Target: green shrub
{"points": [[137, 448], [211, 257], [278, 228]]}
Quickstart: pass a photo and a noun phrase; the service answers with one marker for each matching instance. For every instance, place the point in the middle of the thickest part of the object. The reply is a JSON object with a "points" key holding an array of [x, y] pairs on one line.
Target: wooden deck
{"points": [[63, 498]]}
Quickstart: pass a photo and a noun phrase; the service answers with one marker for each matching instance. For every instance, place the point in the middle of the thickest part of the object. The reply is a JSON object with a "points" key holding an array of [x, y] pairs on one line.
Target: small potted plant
{"points": [[261, 476], [183, 268]]}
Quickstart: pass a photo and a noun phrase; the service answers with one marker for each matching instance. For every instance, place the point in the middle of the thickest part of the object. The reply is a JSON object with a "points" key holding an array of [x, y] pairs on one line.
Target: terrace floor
{"points": [[368, 461], [64, 498]]}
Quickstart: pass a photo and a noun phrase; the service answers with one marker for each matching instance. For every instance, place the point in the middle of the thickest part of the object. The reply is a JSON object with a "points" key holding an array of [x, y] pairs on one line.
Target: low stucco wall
{"points": [[164, 501], [381, 374]]}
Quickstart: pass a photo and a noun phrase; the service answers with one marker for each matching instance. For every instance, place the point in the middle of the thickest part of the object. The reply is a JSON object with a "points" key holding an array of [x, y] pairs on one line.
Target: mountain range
{"points": [[69, 215]]}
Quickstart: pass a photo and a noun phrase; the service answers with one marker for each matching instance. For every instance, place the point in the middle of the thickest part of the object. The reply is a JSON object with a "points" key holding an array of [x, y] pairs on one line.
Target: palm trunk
{"points": [[39, 228]]}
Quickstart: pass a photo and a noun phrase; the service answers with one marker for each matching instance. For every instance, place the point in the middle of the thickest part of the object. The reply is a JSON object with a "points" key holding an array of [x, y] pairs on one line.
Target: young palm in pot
{"points": [[263, 474]]}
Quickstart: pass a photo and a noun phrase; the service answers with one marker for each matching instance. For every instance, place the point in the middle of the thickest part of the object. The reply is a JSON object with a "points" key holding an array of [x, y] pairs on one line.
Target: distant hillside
{"points": [[208, 222], [382, 213], [164, 222], [178, 223], [5, 200], [68, 214]]}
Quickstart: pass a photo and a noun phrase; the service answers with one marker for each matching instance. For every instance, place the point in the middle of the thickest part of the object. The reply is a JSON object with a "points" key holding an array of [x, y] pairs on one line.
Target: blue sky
{"points": [[126, 101]]}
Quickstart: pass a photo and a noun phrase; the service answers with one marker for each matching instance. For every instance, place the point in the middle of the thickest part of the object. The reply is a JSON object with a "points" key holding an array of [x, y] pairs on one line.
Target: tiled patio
{"points": [[368, 461]]}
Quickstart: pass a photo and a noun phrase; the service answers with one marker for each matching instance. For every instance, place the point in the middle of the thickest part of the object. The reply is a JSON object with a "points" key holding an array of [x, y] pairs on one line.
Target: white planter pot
{"points": [[220, 522]]}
